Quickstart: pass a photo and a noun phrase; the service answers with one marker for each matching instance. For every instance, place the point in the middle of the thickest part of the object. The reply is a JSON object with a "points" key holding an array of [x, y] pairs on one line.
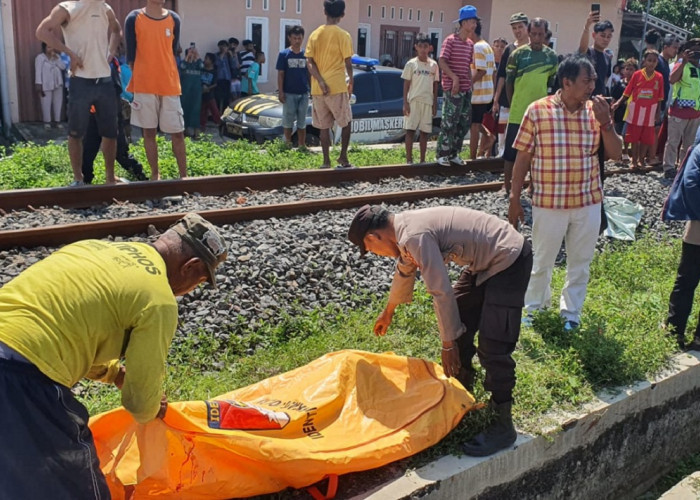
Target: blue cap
{"points": [[467, 12]]}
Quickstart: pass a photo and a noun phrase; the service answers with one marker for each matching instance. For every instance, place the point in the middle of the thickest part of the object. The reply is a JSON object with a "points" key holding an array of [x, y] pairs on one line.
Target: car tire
{"points": [[313, 139]]}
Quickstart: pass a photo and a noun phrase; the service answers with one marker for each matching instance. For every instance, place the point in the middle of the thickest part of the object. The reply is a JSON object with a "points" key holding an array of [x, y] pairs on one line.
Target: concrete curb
{"points": [[615, 448], [688, 489]]}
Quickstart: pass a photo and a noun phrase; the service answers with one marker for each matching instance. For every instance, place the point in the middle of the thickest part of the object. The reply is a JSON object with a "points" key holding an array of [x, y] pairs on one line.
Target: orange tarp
{"points": [[346, 411]]}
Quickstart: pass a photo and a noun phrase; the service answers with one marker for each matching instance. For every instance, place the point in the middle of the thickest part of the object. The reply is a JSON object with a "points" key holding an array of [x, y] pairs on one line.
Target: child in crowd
{"points": [[645, 91], [235, 69], [420, 90], [628, 68], [209, 92], [615, 76], [249, 82], [293, 86]]}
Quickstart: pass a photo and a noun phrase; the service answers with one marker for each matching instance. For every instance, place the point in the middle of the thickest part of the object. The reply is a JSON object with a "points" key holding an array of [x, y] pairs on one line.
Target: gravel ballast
{"points": [[48, 216], [303, 262]]}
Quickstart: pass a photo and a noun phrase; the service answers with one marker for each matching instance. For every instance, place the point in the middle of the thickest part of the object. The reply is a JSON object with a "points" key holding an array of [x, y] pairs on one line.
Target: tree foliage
{"points": [[683, 13]]}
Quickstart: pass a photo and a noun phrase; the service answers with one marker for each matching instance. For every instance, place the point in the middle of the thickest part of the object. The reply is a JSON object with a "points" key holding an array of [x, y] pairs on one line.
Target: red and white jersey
{"points": [[644, 94]]}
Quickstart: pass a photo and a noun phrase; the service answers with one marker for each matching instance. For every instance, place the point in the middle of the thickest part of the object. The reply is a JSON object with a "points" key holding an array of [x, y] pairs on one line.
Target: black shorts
{"points": [[509, 153], [479, 110], [87, 92], [47, 447]]}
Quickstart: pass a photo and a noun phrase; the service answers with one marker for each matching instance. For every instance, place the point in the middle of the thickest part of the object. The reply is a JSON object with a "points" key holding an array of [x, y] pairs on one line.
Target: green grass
{"points": [[620, 342], [33, 166], [682, 469]]}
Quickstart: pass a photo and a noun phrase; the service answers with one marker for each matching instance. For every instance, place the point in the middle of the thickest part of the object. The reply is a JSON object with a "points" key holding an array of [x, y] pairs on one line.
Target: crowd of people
{"points": [[555, 122], [486, 87]]}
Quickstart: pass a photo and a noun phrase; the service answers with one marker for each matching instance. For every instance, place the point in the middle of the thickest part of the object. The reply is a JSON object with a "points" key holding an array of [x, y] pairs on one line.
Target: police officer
{"points": [[488, 296]]}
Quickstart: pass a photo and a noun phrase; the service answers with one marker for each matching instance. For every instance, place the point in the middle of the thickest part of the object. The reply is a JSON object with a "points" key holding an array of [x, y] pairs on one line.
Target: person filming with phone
{"points": [[602, 36], [684, 108]]}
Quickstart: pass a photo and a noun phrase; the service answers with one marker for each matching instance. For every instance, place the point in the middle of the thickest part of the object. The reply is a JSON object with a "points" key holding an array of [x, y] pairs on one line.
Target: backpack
{"points": [[344, 412]]}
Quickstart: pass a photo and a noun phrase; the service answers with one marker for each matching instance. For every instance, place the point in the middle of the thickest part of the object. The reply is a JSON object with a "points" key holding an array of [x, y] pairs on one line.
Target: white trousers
{"points": [[53, 99], [579, 229]]}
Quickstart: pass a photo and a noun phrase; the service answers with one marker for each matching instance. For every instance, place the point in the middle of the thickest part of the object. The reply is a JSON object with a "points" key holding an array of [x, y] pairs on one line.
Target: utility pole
{"points": [[644, 32]]}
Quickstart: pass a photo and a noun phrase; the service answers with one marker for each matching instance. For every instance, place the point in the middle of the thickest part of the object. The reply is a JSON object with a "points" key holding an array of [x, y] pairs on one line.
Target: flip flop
{"points": [[346, 166]]}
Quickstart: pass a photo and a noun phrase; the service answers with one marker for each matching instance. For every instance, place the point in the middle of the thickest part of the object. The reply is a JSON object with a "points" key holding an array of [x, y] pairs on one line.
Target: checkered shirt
{"points": [[565, 170]]}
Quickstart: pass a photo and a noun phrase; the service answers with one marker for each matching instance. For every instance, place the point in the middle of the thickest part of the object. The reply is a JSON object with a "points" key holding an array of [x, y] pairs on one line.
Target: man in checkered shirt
{"points": [[558, 142]]}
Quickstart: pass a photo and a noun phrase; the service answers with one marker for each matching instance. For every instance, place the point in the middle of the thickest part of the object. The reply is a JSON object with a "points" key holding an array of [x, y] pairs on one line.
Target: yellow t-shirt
{"points": [[80, 310], [329, 46]]}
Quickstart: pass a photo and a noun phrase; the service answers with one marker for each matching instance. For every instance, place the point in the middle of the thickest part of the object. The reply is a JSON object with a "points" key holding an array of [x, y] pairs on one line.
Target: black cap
{"points": [[366, 218]]}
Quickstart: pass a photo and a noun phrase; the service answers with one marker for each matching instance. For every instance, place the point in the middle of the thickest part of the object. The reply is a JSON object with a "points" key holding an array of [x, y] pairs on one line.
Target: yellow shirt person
{"points": [[100, 301]]}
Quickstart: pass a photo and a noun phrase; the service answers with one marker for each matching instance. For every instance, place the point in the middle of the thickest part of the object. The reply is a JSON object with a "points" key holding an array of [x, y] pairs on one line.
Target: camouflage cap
{"points": [[205, 240], [518, 17]]}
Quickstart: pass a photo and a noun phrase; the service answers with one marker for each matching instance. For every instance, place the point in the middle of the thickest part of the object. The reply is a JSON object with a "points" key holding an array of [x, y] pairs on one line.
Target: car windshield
{"points": [[363, 88], [391, 85]]}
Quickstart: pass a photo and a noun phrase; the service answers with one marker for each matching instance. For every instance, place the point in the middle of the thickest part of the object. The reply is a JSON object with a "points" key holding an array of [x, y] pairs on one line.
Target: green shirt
{"points": [[529, 71], [76, 313]]}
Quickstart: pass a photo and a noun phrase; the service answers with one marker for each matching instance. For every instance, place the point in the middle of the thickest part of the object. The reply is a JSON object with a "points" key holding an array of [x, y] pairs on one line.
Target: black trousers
{"points": [[223, 94], [601, 161], [687, 280], [91, 146], [494, 309], [47, 447]]}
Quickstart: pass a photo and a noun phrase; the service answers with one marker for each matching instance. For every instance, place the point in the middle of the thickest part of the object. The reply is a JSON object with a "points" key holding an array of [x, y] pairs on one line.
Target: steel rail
{"points": [[68, 233], [87, 196]]}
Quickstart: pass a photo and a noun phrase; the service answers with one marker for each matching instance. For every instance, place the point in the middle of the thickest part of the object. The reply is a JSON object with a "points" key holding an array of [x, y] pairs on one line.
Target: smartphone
{"points": [[595, 7]]}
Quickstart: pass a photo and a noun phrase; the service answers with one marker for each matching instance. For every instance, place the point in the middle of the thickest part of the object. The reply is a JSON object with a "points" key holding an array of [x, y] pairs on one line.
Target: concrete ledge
{"points": [[688, 489], [615, 448]]}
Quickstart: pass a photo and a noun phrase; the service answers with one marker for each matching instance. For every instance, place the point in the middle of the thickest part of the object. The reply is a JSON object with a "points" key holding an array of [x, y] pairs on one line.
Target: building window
{"points": [[383, 11], [266, 4], [248, 4], [410, 14], [432, 16], [418, 15], [283, 5], [401, 13], [298, 6], [369, 11], [393, 12], [442, 17]]}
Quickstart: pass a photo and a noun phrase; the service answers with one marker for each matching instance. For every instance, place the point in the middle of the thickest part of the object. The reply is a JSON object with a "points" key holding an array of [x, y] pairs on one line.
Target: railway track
{"points": [[220, 185], [80, 197]]}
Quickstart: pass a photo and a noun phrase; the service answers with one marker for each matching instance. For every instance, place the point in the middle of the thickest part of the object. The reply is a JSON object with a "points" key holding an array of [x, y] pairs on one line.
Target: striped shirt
{"points": [[483, 60], [247, 58], [565, 170], [458, 55], [645, 93]]}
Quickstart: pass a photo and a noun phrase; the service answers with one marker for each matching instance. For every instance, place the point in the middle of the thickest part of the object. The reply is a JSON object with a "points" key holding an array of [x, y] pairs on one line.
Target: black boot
{"points": [[694, 345], [499, 435]]}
